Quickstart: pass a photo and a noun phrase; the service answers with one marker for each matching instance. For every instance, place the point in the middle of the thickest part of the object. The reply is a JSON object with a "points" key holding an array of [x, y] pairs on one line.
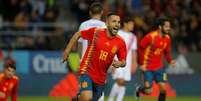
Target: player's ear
{"points": [[160, 27]]}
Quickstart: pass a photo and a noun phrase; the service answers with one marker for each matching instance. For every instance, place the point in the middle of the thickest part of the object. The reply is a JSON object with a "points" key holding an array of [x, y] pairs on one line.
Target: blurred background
{"points": [[33, 34]]}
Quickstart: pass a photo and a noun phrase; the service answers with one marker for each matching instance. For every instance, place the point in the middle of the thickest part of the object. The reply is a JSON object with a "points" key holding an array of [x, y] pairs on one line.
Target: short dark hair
{"points": [[10, 65], [161, 21], [111, 13], [128, 19], [96, 8]]}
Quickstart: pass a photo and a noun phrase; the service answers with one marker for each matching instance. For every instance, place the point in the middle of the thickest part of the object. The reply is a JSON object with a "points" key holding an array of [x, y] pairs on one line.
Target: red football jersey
{"points": [[152, 48], [8, 87], [100, 53]]}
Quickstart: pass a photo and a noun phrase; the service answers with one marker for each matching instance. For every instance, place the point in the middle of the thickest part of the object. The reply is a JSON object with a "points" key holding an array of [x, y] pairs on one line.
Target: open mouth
{"points": [[115, 29]]}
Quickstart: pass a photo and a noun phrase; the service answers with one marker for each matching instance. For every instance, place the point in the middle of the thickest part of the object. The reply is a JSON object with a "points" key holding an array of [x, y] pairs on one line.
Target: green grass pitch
{"points": [[42, 98]]}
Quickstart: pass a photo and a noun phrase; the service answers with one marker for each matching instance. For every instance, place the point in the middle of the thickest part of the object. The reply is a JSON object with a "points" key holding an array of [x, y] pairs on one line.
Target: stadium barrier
{"points": [[40, 71]]}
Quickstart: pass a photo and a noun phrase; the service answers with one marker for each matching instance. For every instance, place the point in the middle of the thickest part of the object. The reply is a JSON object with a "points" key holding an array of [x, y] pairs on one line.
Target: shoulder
{"points": [[92, 21], [1, 75], [118, 37], [15, 78], [84, 25], [97, 21], [85, 22], [167, 36], [120, 40], [153, 34], [101, 22]]}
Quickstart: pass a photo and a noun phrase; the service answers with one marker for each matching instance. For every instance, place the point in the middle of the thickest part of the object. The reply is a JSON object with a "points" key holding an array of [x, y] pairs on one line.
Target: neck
{"points": [[97, 16], [109, 33], [160, 32]]}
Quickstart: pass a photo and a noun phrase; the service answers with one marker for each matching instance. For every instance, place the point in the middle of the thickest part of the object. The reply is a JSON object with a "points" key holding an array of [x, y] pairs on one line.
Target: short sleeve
{"points": [[103, 25]]}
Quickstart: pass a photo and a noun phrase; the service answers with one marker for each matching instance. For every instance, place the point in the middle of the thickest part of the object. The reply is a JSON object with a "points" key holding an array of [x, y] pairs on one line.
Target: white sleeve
{"points": [[80, 40], [134, 43], [103, 25], [81, 27]]}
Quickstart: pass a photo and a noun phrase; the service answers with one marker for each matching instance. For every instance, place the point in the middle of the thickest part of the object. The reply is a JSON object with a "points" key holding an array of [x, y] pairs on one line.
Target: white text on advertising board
{"points": [[42, 64]]}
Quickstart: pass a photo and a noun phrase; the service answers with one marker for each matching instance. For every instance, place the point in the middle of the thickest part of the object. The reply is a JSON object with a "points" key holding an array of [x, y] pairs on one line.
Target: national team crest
{"points": [[114, 49], [84, 84]]}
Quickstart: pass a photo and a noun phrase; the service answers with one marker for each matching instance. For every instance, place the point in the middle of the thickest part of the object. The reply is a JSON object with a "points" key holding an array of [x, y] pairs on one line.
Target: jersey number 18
{"points": [[103, 55]]}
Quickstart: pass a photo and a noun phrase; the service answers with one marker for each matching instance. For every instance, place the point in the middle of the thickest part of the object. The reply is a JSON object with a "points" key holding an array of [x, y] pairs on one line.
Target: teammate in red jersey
{"points": [[153, 47], [104, 44], [8, 83]]}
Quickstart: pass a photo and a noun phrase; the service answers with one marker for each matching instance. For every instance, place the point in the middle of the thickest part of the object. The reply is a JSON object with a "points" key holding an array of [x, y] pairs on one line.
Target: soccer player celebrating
{"points": [[123, 75], [8, 83], [104, 44], [153, 47]]}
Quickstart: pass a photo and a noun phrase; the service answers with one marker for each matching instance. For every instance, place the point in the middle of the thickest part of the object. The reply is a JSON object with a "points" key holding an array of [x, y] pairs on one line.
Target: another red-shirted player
{"points": [[153, 47], [8, 83], [104, 44]]}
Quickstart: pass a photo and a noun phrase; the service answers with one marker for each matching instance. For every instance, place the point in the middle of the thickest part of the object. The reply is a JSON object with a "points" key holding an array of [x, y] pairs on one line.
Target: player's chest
{"points": [[160, 42], [107, 45], [6, 85]]}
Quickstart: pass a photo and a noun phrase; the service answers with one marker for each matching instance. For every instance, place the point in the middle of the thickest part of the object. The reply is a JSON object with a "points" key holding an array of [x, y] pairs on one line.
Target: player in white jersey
{"points": [[123, 75], [95, 12]]}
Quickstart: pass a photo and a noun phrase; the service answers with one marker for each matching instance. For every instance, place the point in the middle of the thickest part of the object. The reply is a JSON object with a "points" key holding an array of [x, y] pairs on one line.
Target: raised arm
{"points": [[69, 46]]}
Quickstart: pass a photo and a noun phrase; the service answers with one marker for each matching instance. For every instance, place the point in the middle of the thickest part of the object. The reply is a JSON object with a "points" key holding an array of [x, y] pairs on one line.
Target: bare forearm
{"points": [[72, 42], [134, 62], [134, 57]]}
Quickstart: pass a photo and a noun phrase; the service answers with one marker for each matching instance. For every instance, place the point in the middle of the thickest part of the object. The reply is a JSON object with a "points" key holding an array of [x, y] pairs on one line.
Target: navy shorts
{"points": [[86, 83], [158, 76]]}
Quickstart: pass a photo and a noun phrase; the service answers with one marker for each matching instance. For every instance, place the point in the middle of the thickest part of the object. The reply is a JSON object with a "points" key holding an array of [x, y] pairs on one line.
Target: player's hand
{"points": [[173, 63], [143, 68], [116, 64], [65, 57], [113, 69], [2, 95]]}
